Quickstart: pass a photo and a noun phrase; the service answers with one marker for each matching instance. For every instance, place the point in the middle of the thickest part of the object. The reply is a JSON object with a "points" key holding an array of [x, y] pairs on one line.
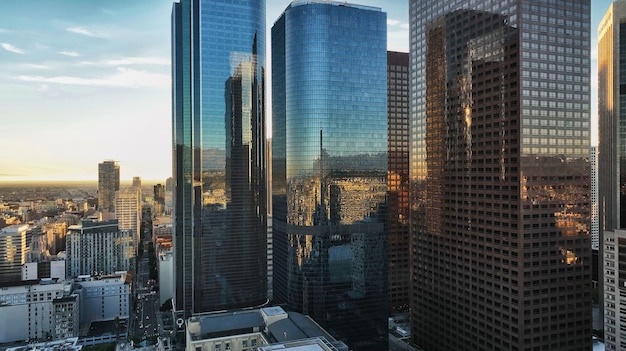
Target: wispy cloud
{"points": [[69, 53], [11, 48], [397, 23], [81, 31], [130, 61], [123, 77], [2, 30], [35, 66]]}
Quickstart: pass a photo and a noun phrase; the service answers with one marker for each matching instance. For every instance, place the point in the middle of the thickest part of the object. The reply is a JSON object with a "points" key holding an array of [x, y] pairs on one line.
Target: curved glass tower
{"points": [[218, 56], [329, 154]]}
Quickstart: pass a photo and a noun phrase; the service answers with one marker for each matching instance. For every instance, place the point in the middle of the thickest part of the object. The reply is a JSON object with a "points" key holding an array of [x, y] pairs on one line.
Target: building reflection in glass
{"points": [[219, 154], [330, 168]]}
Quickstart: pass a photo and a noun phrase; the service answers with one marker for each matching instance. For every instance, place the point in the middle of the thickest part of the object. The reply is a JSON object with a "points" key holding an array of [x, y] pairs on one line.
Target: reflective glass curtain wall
{"points": [[329, 154], [500, 123], [218, 55]]}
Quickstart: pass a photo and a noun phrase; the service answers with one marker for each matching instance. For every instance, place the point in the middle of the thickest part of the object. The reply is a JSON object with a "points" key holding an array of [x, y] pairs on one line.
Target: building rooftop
{"points": [[295, 3], [274, 323], [312, 344], [69, 344], [232, 321]]}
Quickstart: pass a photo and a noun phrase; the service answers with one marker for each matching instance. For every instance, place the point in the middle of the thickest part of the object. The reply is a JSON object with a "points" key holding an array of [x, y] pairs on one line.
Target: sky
{"points": [[86, 81]]}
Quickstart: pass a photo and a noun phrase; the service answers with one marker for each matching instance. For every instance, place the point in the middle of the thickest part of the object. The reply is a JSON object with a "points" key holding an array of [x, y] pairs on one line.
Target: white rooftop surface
{"points": [[313, 347]]}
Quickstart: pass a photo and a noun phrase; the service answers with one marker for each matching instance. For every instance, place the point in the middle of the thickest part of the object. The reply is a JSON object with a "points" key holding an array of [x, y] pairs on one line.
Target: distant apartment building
{"points": [[98, 247], [37, 310], [55, 233], [13, 251], [159, 199], [104, 298], [128, 211], [108, 184]]}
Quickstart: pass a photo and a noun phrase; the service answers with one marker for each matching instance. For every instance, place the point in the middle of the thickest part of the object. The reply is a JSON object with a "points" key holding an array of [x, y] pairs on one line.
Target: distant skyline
{"points": [[86, 81]]}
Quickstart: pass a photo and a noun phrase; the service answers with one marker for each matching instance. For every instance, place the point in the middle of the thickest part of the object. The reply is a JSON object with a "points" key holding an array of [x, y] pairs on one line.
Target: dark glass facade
{"points": [[500, 173], [398, 179], [220, 196], [108, 185], [329, 175]]}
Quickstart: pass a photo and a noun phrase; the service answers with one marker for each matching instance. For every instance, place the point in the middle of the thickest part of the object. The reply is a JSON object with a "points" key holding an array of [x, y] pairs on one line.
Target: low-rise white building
{"points": [[28, 312], [103, 298]]}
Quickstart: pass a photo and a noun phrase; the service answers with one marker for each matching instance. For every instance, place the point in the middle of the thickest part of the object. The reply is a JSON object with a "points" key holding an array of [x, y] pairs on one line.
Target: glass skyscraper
{"points": [[220, 208], [500, 123], [329, 176], [108, 185]]}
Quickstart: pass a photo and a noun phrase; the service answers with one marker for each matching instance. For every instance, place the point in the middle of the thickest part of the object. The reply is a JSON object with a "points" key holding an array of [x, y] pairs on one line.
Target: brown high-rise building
{"points": [[398, 179], [500, 212]]}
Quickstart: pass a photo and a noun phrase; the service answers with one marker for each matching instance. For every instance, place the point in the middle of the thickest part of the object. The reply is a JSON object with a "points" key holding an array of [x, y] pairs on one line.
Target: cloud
{"points": [[123, 77], [11, 48], [392, 22], [130, 61], [69, 53], [2, 30], [35, 66], [405, 25], [81, 31], [43, 88]]}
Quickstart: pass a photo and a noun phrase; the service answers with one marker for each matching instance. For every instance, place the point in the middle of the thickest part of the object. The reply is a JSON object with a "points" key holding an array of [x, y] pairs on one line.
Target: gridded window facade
{"points": [[500, 175], [398, 179]]}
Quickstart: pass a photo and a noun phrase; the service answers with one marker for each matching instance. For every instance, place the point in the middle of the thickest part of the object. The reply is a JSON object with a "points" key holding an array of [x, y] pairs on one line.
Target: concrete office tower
{"points": [[611, 154], [329, 155], [220, 211], [500, 171], [13, 251], [108, 184], [398, 182], [611, 95], [128, 212], [97, 248]]}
